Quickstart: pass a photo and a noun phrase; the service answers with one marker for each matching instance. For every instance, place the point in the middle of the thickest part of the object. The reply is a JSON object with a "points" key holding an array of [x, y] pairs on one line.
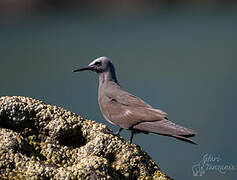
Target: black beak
{"points": [[91, 68]]}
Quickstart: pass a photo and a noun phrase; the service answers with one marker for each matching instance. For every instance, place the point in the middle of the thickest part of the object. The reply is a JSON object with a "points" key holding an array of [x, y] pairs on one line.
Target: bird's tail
{"points": [[167, 128]]}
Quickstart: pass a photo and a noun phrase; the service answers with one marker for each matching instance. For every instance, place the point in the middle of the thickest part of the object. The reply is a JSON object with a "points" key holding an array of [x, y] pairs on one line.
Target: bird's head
{"points": [[99, 65]]}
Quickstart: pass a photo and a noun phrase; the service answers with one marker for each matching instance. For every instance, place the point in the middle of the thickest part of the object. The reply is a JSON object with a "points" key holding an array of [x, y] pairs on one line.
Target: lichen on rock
{"points": [[40, 141]]}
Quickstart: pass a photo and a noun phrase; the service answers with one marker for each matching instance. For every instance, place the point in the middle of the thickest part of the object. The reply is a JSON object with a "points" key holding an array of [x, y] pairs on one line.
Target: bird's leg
{"points": [[118, 132], [132, 134]]}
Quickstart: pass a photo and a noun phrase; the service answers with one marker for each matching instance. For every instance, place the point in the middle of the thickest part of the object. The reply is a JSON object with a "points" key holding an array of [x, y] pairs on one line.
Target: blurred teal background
{"points": [[179, 58]]}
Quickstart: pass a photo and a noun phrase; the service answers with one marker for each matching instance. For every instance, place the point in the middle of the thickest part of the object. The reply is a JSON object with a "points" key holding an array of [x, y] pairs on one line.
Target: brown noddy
{"points": [[129, 112]]}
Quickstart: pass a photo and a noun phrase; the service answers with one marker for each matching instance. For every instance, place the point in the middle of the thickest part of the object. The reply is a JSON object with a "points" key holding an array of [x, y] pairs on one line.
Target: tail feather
{"points": [[167, 128], [182, 138]]}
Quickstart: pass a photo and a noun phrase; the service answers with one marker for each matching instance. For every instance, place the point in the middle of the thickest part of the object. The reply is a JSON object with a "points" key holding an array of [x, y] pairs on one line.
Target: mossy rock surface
{"points": [[41, 141]]}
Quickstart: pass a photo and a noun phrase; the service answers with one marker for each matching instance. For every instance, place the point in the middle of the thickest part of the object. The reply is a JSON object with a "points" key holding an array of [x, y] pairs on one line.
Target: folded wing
{"points": [[166, 128]]}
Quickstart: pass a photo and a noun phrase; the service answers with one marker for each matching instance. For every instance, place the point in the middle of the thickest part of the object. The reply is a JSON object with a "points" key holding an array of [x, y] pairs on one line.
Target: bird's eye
{"points": [[98, 63]]}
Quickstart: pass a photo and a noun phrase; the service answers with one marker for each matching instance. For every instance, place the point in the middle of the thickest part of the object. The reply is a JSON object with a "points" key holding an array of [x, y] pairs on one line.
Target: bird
{"points": [[129, 112]]}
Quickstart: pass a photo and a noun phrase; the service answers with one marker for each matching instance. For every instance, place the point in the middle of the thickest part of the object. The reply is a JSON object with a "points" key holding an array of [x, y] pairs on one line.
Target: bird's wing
{"points": [[126, 116], [126, 98], [131, 100], [167, 128]]}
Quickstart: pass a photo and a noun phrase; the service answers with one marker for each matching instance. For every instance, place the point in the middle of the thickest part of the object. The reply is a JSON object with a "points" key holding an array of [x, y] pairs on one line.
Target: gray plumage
{"points": [[127, 111]]}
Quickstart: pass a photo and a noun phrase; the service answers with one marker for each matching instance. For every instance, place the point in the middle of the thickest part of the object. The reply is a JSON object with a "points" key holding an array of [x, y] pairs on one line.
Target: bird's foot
{"points": [[107, 131], [118, 132]]}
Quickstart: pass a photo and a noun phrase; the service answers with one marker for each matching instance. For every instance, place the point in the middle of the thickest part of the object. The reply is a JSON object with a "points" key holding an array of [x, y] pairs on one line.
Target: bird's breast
{"points": [[105, 111]]}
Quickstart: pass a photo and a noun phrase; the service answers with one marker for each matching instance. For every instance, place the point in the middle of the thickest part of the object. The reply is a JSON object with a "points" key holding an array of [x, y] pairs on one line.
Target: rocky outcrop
{"points": [[40, 141]]}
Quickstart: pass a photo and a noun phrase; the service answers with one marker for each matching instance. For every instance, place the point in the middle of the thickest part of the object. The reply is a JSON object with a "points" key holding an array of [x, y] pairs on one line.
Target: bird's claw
{"points": [[118, 132]]}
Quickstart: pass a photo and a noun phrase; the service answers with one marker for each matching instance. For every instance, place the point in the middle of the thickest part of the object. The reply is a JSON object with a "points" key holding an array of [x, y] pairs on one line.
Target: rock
{"points": [[40, 141]]}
